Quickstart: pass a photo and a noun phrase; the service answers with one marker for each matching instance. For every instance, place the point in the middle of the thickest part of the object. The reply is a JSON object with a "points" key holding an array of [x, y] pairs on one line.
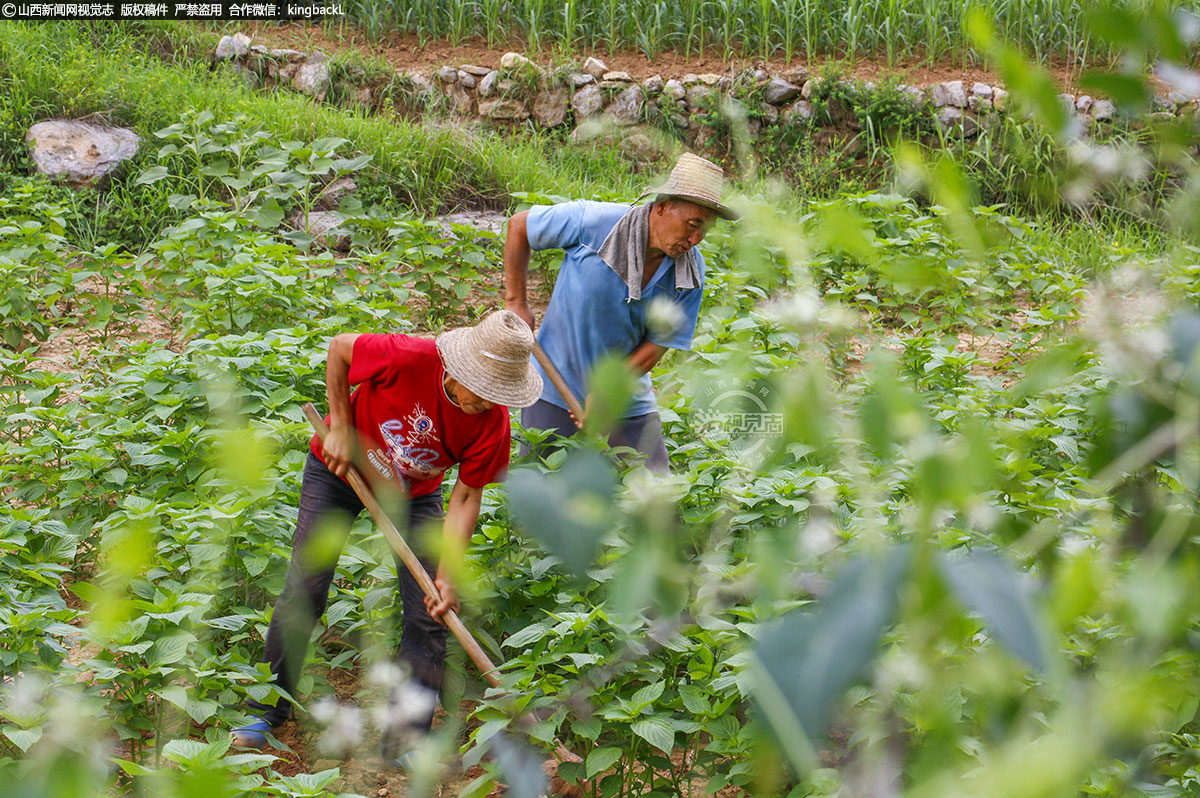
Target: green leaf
{"points": [[985, 582], [479, 788], [610, 387], [168, 650], [657, 731], [174, 694], [1129, 92], [184, 751], [530, 634], [567, 511], [23, 738], [151, 175], [202, 709], [694, 700], [328, 144], [133, 768], [804, 663], [647, 695], [600, 760]]}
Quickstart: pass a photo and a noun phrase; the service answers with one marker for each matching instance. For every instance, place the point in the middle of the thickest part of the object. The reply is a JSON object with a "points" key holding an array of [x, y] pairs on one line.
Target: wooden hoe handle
{"points": [[556, 378], [451, 619]]}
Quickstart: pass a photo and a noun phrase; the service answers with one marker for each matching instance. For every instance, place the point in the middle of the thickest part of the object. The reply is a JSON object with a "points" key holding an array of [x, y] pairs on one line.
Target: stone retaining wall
{"points": [[593, 99]]}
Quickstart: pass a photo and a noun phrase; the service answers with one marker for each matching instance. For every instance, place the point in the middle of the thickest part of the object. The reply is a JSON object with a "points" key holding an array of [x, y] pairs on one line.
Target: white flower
{"points": [[800, 309], [409, 704], [664, 317], [386, 674], [343, 725]]}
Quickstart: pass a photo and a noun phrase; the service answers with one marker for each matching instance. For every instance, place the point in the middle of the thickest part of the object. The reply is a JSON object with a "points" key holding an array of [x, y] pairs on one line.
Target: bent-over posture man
{"points": [[420, 407], [618, 260]]}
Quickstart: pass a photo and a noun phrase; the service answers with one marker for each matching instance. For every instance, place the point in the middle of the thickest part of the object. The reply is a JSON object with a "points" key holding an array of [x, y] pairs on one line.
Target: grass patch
{"points": [[118, 75]]}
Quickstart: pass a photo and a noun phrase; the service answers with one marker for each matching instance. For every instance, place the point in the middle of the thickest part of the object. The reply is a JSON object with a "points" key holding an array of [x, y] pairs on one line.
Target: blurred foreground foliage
{"points": [[931, 528]]}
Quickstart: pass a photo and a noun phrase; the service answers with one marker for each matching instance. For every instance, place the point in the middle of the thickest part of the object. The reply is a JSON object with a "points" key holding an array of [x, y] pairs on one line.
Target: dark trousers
{"points": [[643, 433], [328, 503]]}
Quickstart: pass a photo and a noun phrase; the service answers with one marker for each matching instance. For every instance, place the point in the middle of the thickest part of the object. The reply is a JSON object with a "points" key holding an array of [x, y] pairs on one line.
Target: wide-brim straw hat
{"points": [[696, 180], [492, 359]]}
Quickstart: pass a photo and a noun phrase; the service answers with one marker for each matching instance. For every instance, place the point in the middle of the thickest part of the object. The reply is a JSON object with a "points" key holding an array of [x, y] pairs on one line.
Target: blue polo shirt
{"points": [[590, 313]]}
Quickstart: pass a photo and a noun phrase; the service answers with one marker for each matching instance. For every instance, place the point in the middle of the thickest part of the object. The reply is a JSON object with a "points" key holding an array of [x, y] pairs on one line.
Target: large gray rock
{"points": [[421, 84], [472, 69], [487, 85], [674, 89], [467, 80], [697, 93], [595, 67], [550, 107], [980, 104], [588, 101], [322, 226], [235, 46], [504, 109], [446, 74], [1000, 99], [579, 79], [797, 75], [80, 152], [516, 61], [779, 91], [312, 77], [915, 94], [799, 111], [462, 101], [982, 90], [951, 117], [1103, 110], [284, 54], [626, 109], [950, 93], [332, 195], [653, 84], [1084, 103]]}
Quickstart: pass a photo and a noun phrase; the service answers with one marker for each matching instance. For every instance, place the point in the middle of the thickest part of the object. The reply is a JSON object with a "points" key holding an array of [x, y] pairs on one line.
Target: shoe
{"points": [[252, 735], [404, 762]]}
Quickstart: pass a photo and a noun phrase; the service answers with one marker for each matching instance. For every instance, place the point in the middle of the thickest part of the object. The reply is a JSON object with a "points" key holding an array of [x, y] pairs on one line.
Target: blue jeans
{"points": [[325, 500], [643, 433]]}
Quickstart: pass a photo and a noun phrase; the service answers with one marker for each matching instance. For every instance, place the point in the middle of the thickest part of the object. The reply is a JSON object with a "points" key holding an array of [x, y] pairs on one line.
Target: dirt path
{"points": [[405, 52]]}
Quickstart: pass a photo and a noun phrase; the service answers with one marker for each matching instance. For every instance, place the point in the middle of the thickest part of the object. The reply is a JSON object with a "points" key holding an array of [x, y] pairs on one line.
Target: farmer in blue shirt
{"points": [[618, 262]]}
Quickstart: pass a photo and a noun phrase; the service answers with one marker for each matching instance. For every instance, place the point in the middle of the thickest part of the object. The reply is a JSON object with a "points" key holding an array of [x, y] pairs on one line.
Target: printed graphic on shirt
{"points": [[376, 458], [404, 438]]}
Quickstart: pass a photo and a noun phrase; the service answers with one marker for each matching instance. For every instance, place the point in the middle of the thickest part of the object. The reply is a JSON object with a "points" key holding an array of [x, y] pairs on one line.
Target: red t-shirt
{"points": [[409, 428]]}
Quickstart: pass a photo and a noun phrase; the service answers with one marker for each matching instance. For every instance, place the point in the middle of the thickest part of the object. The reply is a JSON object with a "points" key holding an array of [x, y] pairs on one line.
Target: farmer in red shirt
{"points": [[421, 406]]}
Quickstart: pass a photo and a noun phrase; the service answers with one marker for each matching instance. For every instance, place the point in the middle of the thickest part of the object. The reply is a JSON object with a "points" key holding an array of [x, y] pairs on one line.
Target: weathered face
{"points": [[678, 225], [470, 402]]}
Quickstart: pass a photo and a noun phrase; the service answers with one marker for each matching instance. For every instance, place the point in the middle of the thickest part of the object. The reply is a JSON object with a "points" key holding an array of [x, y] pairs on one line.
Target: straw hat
{"points": [[696, 180], [492, 359]]}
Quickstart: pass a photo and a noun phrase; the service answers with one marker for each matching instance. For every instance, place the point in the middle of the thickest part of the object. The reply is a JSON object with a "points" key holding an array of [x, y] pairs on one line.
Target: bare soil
{"points": [[406, 52]]}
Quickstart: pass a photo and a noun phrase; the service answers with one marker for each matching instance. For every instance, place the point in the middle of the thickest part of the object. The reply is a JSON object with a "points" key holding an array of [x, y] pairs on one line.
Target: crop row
{"points": [[898, 30]]}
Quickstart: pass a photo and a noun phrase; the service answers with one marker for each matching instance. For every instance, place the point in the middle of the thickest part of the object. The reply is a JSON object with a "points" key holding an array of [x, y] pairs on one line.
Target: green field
{"points": [[890, 31], [964, 563]]}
